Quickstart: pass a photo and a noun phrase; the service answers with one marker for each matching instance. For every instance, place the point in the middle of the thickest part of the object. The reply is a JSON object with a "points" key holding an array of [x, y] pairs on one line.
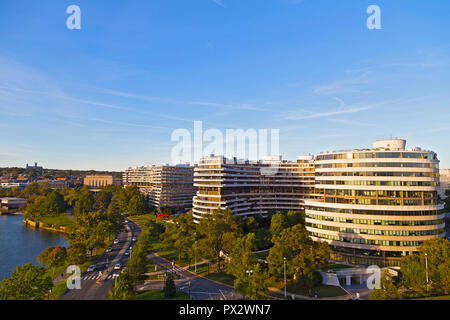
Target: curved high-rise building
{"points": [[378, 204], [252, 187]]}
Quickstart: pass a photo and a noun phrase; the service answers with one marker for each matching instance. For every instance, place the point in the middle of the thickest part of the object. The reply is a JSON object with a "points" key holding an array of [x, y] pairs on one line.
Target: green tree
{"points": [[169, 286], [278, 223], [242, 257], [252, 284], [388, 289], [303, 256], [218, 231], [123, 287], [27, 282], [76, 254], [136, 205], [180, 234]]}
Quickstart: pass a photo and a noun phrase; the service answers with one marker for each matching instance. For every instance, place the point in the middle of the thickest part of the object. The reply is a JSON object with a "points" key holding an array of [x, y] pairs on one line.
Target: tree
{"points": [[84, 203], [413, 269], [170, 290], [242, 257], [389, 288], [53, 257], [180, 234], [136, 205], [277, 224], [27, 282], [123, 288], [218, 230], [252, 285], [76, 254], [303, 256]]}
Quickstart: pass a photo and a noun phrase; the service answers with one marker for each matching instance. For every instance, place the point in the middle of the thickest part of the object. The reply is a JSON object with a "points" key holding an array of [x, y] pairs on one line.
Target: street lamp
{"points": [[249, 272], [195, 265], [426, 267], [284, 262]]}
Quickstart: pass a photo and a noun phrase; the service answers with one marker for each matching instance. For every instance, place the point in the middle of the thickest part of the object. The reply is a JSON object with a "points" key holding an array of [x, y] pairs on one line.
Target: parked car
{"points": [[118, 266], [91, 268]]}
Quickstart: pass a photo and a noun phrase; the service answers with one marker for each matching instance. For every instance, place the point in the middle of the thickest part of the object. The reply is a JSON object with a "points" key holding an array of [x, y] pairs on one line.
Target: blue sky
{"points": [[109, 96]]}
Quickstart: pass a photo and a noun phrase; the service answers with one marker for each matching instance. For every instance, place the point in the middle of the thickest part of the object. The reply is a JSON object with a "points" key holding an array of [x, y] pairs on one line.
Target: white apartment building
{"points": [[252, 187], [377, 204], [165, 186], [445, 181]]}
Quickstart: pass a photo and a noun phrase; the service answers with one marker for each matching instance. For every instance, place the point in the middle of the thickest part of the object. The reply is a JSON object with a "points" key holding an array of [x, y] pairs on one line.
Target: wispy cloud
{"points": [[302, 115], [219, 3]]}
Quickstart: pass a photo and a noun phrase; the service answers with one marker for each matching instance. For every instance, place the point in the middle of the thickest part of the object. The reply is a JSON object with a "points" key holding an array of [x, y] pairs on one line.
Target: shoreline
{"points": [[42, 226]]}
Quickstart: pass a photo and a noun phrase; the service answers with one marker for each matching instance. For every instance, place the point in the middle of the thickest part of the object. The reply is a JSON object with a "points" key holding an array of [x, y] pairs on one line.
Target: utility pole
{"points": [[284, 262], [426, 267]]}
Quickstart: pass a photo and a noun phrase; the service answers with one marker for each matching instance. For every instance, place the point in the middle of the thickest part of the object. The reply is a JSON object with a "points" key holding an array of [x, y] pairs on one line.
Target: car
{"points": [[133, 239], [131, 248], [117, 266], [91, 268], [116, 241], [127, 253], [126, 221], [109, 249]]}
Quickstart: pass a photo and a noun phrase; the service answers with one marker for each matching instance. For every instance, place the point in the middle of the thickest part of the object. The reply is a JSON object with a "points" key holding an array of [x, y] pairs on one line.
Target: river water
{"points": [[20, 244]]}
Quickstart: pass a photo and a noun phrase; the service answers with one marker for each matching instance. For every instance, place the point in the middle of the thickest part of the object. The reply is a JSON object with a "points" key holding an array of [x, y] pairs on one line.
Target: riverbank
{"points": [[43, 226]]}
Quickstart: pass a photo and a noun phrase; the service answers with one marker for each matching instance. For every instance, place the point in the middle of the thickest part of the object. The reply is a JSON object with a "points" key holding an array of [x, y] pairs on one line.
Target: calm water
{"points": [[20, 244]]}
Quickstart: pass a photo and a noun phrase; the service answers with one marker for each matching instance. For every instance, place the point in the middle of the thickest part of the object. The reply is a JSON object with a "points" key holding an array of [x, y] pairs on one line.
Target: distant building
{"points": [[12, 203], [35, 167], [8, 185], [445, 181], [55, 184], [165, 186], [99, 181]]}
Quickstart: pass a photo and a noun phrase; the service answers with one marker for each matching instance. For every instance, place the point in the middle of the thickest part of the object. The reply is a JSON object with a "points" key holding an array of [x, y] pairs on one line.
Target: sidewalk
{"points": [[300, 297]]}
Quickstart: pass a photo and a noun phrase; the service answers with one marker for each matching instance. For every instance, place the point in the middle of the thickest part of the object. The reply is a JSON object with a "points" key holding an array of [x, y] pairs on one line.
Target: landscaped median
{"points": [[159, 295]]}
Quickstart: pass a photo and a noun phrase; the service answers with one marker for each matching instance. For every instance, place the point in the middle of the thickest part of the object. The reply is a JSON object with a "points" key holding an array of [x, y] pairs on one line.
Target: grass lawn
{"points": [[202, 270], [434, 298], [322, 291], [141, 220], [58, 290], [159, 295], [62, 220], [337, 266]]}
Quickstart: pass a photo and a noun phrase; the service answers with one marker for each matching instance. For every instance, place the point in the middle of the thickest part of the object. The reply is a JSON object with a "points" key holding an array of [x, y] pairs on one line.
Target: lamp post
{"points": [[285, 292], [249, 272], [426, 267], [195, 253]]}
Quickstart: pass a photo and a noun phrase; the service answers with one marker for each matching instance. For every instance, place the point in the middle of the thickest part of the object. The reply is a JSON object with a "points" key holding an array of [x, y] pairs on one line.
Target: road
{"points": [[95, 285], [200, 288]]}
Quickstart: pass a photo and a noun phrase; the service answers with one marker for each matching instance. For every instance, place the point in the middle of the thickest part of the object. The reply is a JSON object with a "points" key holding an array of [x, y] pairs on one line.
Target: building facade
{"points": [[252, 187], [445, 181], [377, 204], [100, 181], [165, 186]]}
